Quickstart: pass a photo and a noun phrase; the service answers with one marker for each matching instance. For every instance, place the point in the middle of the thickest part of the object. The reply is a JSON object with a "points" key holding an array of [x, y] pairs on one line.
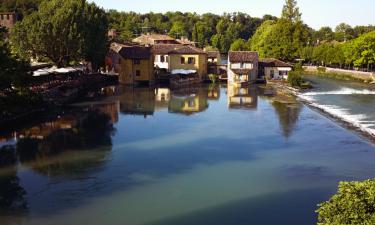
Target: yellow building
{"points": [[133, 64], [181, 59]]}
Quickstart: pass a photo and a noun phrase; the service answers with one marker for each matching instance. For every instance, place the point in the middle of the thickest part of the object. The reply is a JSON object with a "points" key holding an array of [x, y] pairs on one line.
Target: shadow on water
{"points": [[286, 208]]}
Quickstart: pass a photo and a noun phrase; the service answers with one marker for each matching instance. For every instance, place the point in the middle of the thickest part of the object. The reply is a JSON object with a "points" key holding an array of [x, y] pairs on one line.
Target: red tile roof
{"points": [[242, 56], [270, 62]]}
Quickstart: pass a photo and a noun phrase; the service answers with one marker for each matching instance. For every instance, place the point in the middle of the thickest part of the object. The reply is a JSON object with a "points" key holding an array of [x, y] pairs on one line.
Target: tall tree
{"points": [[63, 31], [291, 11]]}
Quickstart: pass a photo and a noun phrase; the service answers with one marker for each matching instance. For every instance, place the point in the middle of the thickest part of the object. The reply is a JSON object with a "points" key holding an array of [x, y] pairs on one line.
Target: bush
{"points": [[295, 79], [353, 204], [321, 70], [213, 77]]}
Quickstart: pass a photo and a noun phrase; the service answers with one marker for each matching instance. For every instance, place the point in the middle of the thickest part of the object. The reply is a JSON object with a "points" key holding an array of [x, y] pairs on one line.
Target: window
{"points": [[191, 103], [191, 60], [136, 61], [162, 59], [182, 60], [138, 73], [7, 17], [2, 17], [119, 61], [241, 65]]}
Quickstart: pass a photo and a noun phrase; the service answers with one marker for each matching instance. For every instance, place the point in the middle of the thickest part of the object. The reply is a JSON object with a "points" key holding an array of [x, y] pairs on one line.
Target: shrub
{"points": [[213, 77], [321, 70], [353, 204], [295, 79]]}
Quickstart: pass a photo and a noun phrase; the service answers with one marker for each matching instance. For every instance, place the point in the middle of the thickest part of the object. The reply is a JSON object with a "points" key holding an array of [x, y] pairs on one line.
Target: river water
{"points": [[208, 155], [349, 101]]}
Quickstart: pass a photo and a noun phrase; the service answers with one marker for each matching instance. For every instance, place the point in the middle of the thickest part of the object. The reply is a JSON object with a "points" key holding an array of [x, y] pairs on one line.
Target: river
{"points": [[207, 155]]}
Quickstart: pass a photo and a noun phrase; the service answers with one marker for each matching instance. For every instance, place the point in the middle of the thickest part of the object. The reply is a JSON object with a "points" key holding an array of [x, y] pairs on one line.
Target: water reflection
{"points": [[137, 101], [288, 115], [188, 101], [242, 97]]}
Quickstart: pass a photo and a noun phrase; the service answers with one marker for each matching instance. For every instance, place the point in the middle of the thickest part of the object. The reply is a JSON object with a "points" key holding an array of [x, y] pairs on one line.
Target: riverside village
{"points": [[155, 113]]}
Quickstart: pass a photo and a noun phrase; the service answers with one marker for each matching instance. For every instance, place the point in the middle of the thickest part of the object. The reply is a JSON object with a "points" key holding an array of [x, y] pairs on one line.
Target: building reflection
{"points": [[188, 100], [162, 98], [242, 97], [137, 101]]}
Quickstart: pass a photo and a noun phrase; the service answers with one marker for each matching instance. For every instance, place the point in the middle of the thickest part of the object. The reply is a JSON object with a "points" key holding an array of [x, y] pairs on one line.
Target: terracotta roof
{"points": [[187, 49], [241, 71], [242, 56], [148, 38], [175, 49], [164, 49], [213, 54], [135, 52], [273, 63]]}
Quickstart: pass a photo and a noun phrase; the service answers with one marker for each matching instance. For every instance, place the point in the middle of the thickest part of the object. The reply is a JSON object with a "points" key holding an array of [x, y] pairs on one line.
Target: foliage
{"points": [[295, 79], [13, 70], [239, 45], [213, 77], [24, 7], [354, 203], [321, 70], [291, 11], [257, 42], [63, 31]]}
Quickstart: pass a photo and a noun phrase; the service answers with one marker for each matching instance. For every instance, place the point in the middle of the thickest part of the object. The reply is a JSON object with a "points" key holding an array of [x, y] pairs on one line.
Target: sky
{"points": [[315, 13]]}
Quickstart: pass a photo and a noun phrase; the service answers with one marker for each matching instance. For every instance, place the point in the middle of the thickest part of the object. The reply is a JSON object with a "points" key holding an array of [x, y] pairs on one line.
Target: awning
{"points": [[184, 72]]}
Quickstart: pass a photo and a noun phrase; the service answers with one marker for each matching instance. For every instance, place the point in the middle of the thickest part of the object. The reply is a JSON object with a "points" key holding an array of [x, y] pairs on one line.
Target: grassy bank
{"points": [[337, 76]]}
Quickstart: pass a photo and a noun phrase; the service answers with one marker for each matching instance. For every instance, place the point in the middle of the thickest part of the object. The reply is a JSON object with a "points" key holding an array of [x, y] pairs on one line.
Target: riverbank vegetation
{"points": [[354, 203], [43, 34]]}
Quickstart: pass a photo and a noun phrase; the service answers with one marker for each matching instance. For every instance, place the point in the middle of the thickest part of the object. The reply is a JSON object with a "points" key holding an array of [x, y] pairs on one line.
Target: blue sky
{"points": [[316, 13]]}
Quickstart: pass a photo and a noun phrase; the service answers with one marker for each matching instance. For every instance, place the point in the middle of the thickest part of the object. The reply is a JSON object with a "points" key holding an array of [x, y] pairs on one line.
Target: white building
{"points": [[242, 67], [274, 69]]}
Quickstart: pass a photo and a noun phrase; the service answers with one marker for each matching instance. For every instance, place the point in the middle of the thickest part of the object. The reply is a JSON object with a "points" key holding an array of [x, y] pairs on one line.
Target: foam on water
{"points": [[343, 91], [360, 121]]}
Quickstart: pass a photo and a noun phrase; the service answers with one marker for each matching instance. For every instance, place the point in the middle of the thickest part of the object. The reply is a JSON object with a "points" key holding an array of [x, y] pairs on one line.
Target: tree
{"points": [[364, 50], [344, 32], [354, 203], [239, 45], [291, 11], [178, 30], [257, 42], [325, 34], [201, 34], [63, 31], [13, 70]]}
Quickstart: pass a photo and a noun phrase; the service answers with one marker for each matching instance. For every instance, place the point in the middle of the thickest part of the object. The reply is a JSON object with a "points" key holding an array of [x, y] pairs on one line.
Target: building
{"points": [[137, 101], [133, 64], [153, 39], [180, 59], [112, 34], [274, 69], [8, 19], [242, 67], [214, 62]]}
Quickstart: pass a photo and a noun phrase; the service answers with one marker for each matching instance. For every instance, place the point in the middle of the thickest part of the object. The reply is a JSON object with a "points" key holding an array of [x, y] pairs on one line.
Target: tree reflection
{"points": [[69, 151], [288, 116], [12, 195]]}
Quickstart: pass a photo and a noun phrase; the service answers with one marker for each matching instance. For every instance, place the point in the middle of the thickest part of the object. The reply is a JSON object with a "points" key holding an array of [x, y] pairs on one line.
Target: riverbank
{"points": [[340, 74]]}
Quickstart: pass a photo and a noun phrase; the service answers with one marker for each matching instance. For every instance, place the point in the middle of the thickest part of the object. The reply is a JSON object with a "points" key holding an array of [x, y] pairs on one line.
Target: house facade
{"points": [[274, 69], [176, 59], [242, 97], [133, 64], [214, 62], [8, 20], [242, 67]]}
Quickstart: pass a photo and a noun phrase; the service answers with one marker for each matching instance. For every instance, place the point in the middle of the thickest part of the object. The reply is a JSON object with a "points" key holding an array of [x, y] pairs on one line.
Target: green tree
{"points": [[239, 45], [201, 34], [13, 70], [63, 31], [344, 32], [258, 40], [291, 11], [354, 203], [178, 30]]}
